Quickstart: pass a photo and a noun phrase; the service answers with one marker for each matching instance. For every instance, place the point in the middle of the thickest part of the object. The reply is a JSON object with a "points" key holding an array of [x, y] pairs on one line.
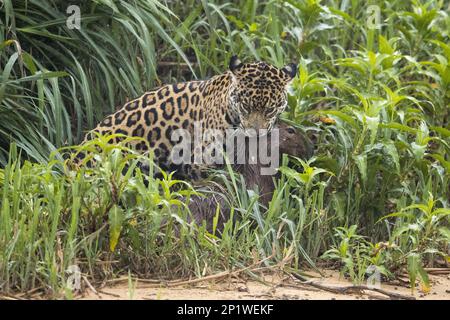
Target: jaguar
{"points": [[246, 96]]}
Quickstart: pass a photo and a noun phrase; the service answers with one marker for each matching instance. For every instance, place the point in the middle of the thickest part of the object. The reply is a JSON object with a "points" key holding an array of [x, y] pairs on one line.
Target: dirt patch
{"points": [[270, 287]]}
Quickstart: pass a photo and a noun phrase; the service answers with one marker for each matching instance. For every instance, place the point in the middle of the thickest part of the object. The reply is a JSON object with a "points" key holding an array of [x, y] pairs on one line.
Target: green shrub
{"points": [[377, 100]]}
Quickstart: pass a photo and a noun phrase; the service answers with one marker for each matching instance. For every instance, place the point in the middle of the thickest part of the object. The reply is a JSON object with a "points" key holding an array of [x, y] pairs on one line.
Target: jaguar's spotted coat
{"points": [[249, 95]]}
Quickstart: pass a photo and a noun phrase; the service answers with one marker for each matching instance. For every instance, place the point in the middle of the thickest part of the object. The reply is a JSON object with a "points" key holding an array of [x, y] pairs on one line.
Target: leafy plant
{"points": [[375, 99]]}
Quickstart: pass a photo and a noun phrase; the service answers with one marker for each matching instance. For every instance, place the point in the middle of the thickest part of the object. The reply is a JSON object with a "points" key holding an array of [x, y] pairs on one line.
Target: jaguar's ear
{"points": [[290, 70], [235, 63]]}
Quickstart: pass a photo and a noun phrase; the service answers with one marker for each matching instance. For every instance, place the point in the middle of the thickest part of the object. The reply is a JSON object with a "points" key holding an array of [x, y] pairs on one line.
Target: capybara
{"points": [[291, 141]]}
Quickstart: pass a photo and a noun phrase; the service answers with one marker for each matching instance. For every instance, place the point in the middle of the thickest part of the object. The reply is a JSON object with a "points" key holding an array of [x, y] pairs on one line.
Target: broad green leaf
{"points": [[116, 217], [414, 263]]}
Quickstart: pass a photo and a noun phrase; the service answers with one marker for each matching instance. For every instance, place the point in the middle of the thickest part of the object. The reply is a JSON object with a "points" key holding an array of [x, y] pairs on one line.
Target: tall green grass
{"points": [[377, 100]]}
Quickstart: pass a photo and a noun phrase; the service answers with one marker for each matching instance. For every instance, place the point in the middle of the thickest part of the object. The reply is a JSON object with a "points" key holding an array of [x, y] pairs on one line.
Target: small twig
{"points": [[314, 287], [10, 297], [156, 283], [125, 278], [299, 286], [437, 270], [30, 292], [3, 297], [109, 294], [350, 289], [178, 283], [261, 295], [90, 285]]}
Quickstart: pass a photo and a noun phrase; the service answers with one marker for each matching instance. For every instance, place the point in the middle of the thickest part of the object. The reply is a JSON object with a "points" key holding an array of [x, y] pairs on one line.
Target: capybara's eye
{"points": [[290, 130]]}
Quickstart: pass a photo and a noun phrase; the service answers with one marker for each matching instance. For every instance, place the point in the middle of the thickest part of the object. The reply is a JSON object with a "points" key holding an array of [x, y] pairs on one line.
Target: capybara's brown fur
{"points": [[291, 141]]}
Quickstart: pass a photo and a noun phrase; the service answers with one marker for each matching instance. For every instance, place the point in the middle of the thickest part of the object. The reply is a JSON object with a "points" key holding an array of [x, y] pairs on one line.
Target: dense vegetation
{"points": [[377, 96]]}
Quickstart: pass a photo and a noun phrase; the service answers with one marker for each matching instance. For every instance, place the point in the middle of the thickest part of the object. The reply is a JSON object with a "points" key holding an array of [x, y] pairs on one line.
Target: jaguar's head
{"points": [[259, 93]]}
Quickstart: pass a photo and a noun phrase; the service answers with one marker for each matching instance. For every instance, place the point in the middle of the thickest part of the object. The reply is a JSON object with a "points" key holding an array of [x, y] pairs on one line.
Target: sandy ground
{"points": [[275, 287]]}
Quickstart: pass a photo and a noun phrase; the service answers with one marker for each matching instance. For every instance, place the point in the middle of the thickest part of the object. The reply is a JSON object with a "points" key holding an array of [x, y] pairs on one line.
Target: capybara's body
{"points": [[291, 141]]}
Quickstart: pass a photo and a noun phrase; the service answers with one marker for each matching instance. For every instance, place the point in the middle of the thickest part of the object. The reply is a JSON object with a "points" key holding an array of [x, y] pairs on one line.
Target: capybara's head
{"points": [[293, 141]]}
